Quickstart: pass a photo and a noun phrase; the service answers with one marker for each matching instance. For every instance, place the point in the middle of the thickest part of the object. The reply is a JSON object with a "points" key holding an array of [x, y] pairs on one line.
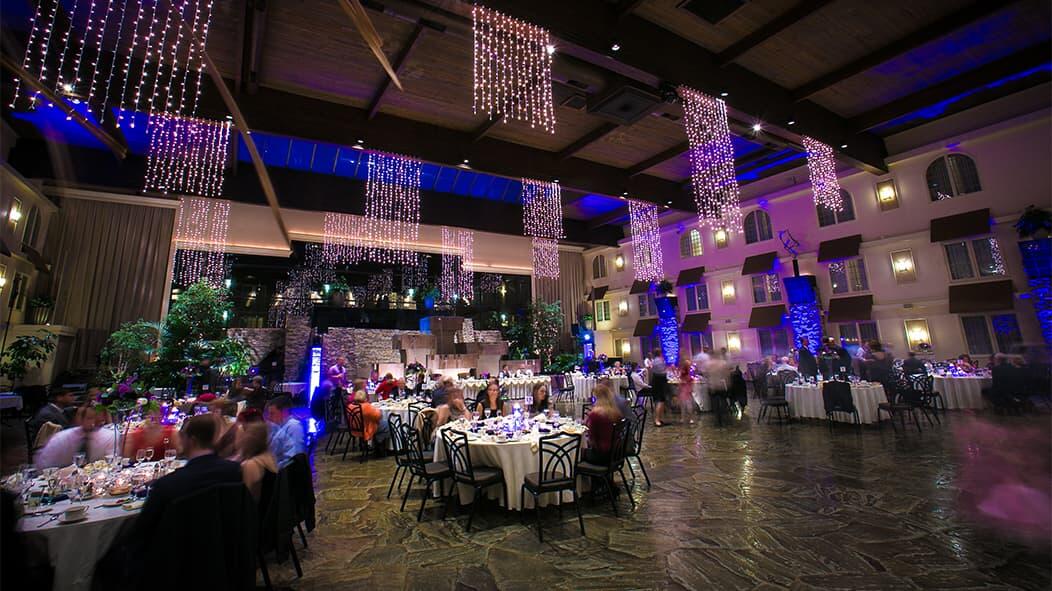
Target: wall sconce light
{"points": [[619, 261], [734, 342], [622, 308], [917, 335], [626, 348], [15, 214], [887, 195], [3, 282], [727, 289], [902, 265], [503, 290], [720, 236]]}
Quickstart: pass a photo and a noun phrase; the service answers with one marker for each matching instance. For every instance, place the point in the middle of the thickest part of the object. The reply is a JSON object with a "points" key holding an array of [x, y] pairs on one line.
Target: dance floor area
{"points": [[745, 506]]}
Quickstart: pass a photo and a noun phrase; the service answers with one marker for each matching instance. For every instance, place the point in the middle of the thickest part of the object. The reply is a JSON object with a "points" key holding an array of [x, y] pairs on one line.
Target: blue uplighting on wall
{"points": [[804, 315], [668, 329], [1037, 263], [315, 373]]}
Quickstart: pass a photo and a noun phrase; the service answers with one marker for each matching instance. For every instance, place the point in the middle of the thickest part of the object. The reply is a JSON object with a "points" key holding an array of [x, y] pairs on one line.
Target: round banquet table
{"points": [[583, 385], [10, 400], [805, 401], [521, 388], [699, 390], [961, 392], [515, 458]]}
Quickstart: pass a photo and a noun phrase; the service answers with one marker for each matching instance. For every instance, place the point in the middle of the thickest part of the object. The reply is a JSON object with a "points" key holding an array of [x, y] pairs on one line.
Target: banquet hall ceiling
{"points": [[849, 72]]}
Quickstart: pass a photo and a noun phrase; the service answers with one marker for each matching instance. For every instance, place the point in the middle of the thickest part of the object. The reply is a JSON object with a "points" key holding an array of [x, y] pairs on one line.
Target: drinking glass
{"points": [[488, 412], [169, 454], [140, 455], [149, 454], [80, 459]]}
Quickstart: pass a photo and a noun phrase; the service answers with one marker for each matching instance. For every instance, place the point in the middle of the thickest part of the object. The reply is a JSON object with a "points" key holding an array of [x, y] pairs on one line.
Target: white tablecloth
{"points": [[522, 388], [515, 458], [806, 401], [961, 392], [75, 548], [9, 400], [583, 385]]}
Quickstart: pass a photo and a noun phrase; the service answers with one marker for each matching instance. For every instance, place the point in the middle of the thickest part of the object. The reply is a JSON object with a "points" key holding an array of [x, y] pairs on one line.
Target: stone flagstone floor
{"points": [[746, 506]]}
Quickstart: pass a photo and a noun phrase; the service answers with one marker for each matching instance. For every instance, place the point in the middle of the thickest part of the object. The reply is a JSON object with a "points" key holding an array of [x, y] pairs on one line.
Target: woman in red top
{"points": [[383, 391], [600, 421], [371, 416], [686, 383]]}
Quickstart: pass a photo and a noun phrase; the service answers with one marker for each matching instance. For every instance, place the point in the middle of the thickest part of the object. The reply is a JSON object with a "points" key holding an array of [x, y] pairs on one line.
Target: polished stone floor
{"points": [[745, 506]]}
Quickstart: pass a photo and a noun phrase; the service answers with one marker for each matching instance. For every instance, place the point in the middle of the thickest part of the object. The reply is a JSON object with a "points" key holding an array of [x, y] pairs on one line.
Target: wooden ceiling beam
{"points": [[587, 139], [481, 131], [795, 14], [1032, 57], [654, 56], [252, 36], [922, 36], [403, 57], [669, 154]]}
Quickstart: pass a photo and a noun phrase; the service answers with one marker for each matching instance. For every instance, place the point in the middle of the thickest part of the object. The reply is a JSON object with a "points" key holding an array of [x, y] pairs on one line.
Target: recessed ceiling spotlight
{"points": [[615, 47], [466, 161], [792, 122], [842, 146], [724, 93], [757, 128], [669, 202], [556, 181]]}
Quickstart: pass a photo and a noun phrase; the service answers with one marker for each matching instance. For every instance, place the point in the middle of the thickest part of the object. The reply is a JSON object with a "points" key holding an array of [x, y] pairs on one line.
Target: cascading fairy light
{"points": [[48, 30], [113, 62], [105, 16], [187, 155], [542, 219], [391, 223], [821, 166], [458, 247], [512, 69], [646, 241], [712, 174], [200, 236], [33, 32], [336, 243]]}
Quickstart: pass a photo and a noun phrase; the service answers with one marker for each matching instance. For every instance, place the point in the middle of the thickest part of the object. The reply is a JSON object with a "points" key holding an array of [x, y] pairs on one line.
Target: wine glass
{"points": [[80, 459], [140, 455], [488, 413], [149, 454]]}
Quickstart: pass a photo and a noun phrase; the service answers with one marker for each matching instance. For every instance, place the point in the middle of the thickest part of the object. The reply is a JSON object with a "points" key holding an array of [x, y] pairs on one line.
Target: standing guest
{"points": [[386, 387], [453, 408], [237, 391], [375, 428], [256, 458], [539, 400], [54, 411], [879, 367], [86, 437], [286, 432], [338, 373], [438, 395], [912, 365], [805, 360], [683, 392], [701, 359], [659, 386], [600, 421], [491, 400]]}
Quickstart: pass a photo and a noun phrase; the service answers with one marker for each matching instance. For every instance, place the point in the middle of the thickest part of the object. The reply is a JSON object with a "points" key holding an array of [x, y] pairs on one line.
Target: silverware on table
{"points": [[50, 519]]}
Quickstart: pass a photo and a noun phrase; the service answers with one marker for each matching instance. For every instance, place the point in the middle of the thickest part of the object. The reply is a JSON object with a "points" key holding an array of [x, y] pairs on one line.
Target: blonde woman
{"points": [[601, 420], [257, 462], [453, 409]]}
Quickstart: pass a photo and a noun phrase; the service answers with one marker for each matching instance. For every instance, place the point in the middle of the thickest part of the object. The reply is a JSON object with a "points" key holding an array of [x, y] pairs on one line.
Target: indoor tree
{"points": [[547, 321]]}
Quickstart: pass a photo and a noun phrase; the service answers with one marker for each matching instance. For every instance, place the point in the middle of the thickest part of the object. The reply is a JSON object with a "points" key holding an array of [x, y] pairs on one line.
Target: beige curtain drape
{"points": [[568, 289], [110, 265]]}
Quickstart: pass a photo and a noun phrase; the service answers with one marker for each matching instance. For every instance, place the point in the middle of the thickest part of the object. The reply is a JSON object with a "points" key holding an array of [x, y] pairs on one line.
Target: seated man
{"points": [[642, 387], [87, 437], [913, 366], [386, 387], [441, 392], [783, 365], [286, 432], [54, 411]]}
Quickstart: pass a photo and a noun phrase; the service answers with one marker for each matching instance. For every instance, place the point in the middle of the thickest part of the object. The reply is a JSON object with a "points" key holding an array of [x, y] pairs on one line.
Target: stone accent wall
{"points": [[261, 341], [298, 333], [488, 336], [362, 347]]}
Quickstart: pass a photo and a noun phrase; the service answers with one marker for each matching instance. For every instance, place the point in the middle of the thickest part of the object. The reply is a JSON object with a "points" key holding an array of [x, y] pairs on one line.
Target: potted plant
{"points": [[24, 353], [1034, 223], [41, 307]]}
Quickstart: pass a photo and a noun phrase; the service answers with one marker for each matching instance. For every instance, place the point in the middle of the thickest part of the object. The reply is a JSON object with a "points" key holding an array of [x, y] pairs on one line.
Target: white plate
{"points": [[63, 519]]}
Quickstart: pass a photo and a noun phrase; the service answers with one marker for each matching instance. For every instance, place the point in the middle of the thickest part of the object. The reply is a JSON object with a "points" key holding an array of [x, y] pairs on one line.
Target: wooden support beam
{"points": [[119, 149], [587, 139], [487, 125], [361, 20], [385, 86], [795, 14], [925, 34], [658, 158]]}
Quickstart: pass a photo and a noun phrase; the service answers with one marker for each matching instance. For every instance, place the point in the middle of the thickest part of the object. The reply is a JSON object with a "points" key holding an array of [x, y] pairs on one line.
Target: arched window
{"points": [[599, 267], [690, 244], [757, 227], [828, 217], [952, 175]]}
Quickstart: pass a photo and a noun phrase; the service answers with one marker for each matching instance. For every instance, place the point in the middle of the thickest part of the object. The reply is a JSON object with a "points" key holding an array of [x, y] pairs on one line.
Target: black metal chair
{"points": [[302, 488], [615, 464], [335, 422], [418, 467], [394, 427], [557, 459], [565, 390], [355, 432], [927, 399], [897, 405], [636, 443], [459, 458], [778, 401], [836, 397], [585, 409], [417, 409], [277, 520]]}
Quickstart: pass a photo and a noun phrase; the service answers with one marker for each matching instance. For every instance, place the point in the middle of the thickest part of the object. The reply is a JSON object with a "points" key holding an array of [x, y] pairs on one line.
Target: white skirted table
{"points": [[961, 391], [583, 385], [10, 400], [515, 458], [805, 401]]}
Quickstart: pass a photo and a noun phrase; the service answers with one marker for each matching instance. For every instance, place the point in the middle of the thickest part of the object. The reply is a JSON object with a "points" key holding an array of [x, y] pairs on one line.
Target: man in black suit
{"points": [[806, 360], [204, 469], [53, 411], [913, 366]]}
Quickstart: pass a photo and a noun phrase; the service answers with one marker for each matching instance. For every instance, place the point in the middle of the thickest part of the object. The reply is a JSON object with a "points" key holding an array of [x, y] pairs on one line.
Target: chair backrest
{"points": [[415, 408], [334, 411], [414, 449], [922, 383], [585, 409], [557, 458], [226, 516], [424, 422], [394, 425], [638, 427], [301, 486], [836, 396], [355, 420], [457, 454], [619, 444], [45, 433], [567, 383], [278, 517]]}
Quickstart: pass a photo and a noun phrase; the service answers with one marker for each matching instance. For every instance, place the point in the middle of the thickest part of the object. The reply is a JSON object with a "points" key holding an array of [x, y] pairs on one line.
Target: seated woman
{"points": [[257, 460], [539, 401], [372, 418], [226, 444], [237, 390], [453, 409], [491, 401], [965, 363], [600, 421]]}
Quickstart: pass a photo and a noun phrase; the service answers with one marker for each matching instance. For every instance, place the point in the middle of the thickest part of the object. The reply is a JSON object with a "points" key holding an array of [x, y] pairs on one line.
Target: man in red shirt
{"points": [[383, 391]]}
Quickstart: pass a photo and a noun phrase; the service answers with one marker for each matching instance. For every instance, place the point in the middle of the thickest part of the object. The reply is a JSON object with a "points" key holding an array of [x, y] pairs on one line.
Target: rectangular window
{"points": [[703, 296], [848, 276], [773, 341], [867, 331], [766, 288], [602, 311], [19, 289], [692, 299], [828, 217], [848, 333], [643, 306], [958, 260], [982, 255], [1006, 332], [977, 335], [695, 343], [856, 333], [988, 258]]}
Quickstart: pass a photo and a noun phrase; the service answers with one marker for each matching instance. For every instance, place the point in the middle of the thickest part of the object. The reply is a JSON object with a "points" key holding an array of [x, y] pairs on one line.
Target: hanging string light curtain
{"points": [[542, 218], [391, 223], [131, 54], [458, 248], [512, 69], [200, 237], [712, 174], [821, 166], [646, 241], [336, 242], [186, 155]]}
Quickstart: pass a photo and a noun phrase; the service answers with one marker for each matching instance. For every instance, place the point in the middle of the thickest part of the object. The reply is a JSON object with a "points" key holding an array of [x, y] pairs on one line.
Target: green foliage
{"points": [[665, 287], [564, 363], [25, 352], [130, 349], [514, 328], [547, 322], [1034, 223]]}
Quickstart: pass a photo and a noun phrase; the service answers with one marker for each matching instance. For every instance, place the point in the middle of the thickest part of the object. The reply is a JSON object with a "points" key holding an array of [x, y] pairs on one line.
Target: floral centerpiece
{"points": [[124, 397]]}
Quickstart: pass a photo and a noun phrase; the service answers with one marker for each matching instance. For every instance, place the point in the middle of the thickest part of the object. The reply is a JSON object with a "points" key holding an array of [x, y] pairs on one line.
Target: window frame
{"points": [[754, 216], [768, 293], [992, 341], [973, 260], [599, 267], [952, 178], [849, 277], [21, 281], [690, 244], [604, 306], [771, 332], [856, 325], [846, 197]]}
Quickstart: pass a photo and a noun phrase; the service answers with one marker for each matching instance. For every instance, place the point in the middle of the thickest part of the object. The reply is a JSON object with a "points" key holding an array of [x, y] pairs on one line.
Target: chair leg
{"points": [[423, 501], [474, 506], [447, 497], [347, 447], [631, 471], [402, 477], [537, 516], [303, 536], [643, 469], [522, 505], [390, 489], [577, 505], [295, 559], [405, 496], [627, 490], [263, 571]]}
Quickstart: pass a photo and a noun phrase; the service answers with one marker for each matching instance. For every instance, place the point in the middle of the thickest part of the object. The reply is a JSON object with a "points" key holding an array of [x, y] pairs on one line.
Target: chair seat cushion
{"points": [[436, 468], [774, 401], [590, 468], [555, 481], [485, 474]]}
